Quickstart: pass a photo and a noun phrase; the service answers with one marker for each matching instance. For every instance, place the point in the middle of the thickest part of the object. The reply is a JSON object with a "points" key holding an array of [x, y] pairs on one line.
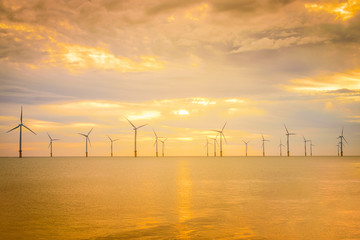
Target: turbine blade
{"points": [[55, 139], [342, 131], [115, 140], [89, 140], [262, 136], [224, 137], [21, 115], [223, 126], [29, 129], [90, 131], [82, 134], [49, 145], [345, 140], [155, 133], [110, 139], [13, 128], [131, 123], [49, 136], [286, 128], [142, 126]]}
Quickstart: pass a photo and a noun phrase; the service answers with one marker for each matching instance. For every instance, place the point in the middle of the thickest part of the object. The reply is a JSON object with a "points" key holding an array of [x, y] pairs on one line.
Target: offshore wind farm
{"points": [[168, 119]]}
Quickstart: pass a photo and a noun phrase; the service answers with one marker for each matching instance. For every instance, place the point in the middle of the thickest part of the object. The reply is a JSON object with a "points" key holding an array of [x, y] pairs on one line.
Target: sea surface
{"points": [[258, 198]]}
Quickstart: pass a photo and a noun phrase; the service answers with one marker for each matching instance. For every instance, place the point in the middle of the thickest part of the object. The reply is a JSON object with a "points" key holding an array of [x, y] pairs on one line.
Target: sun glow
{"points": [[343, 11]]}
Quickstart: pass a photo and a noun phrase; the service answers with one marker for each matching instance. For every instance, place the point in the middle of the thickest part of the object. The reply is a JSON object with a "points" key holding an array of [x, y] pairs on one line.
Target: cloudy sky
{"points": [[183, 67]]}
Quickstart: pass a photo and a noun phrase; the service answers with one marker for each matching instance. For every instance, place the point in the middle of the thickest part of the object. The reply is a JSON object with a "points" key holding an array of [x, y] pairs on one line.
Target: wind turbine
{"points": [[246, 143], [21, 125], [135, 129], [311, 145], [215, 142], [50, 144], [280, 146], [87, 139], [338, 147], [221, 132], [305, 141], [207, 146], [163, 145], [156, 142], [287, 138], [112, 140], [341, 142], [263, 144]]}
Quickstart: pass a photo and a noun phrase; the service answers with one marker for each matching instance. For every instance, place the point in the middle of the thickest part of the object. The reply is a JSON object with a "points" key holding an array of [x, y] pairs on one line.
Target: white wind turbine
{"points": [[221, 132], [263, 144], [305, 141], [311, 145], [246, 143], [207, 146], [135, 129], [21, 125], [341, 142], [51, 144], [280, 146], [87, 139], [287, 140], [163, 146], [215, 143], [112, 140]]}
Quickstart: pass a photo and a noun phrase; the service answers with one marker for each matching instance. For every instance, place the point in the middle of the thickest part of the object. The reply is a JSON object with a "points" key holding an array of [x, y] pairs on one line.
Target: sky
{"points": [[184, 68]]}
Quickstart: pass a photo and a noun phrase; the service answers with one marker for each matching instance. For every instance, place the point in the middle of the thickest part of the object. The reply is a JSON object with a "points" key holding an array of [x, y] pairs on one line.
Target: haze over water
{"points": [[180, 198]]}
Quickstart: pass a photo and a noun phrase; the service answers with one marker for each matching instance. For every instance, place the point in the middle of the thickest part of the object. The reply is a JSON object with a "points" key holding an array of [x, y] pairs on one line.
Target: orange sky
{"points": [[185, 68]]}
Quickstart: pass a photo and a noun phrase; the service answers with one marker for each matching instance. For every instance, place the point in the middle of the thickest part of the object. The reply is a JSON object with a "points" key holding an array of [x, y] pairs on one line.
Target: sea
{"points": [[257, 198]]}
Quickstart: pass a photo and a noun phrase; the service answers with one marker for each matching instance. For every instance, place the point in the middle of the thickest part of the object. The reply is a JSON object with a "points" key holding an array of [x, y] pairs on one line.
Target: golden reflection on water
{"points": [[184, 197]]}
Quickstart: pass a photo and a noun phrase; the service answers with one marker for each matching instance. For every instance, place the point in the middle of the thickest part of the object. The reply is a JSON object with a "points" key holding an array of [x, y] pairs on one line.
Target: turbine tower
{"points": [[163, 145], [341, 141], [246, 143], [338, 147], [112, 140], [51, 144], [135, 129], [280, 146], [305, 141], [263, 144], [20, 125], [221, 132], [87, 139], [287, 140]]}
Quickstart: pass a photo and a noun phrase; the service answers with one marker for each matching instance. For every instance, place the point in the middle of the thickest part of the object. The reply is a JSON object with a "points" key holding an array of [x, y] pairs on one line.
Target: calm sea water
{"points": [[180, 198]]}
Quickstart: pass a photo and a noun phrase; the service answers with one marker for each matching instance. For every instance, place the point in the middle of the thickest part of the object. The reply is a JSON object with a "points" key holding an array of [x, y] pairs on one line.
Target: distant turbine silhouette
{"points": [[341, 141], [163, 146], [20, 125], [51, 144], [305, 141], [287, 138], [280, 146], [215, 142], [135, 129], [111, 140], [311, 145], [221, 132], [263, 144], [156, 142], [87, 139], [207, 146], [246, 143]]}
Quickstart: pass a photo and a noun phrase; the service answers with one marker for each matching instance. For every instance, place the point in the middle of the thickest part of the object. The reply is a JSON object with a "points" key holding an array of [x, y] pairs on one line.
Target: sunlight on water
{"points": [[180, 198]]}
